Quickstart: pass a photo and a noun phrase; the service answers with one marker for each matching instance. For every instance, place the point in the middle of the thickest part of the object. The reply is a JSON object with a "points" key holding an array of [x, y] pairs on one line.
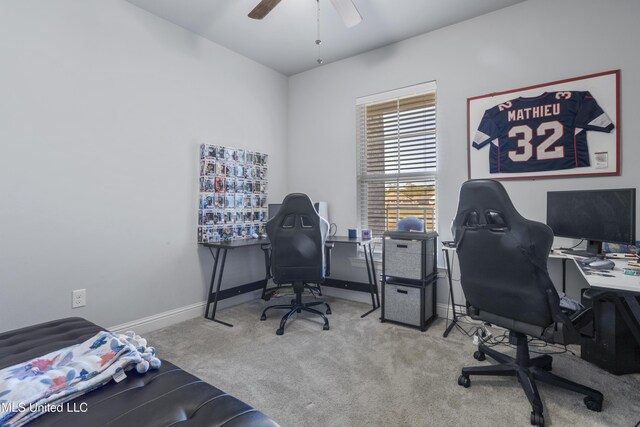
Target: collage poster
{"points": [[233, 194]]}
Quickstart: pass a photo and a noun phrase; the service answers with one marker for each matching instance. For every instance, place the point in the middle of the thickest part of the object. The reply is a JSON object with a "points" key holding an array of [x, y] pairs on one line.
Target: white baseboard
{"points": [[444, 311], [161, 320], [177, 315]]}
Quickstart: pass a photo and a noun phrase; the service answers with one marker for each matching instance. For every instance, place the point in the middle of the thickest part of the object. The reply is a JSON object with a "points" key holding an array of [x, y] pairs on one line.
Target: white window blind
{"points": [[397, 158]]}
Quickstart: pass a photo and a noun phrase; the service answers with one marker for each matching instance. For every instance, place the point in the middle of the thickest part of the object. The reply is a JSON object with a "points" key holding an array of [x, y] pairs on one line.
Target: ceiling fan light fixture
{"points": [[348, 12], [345, 8]]}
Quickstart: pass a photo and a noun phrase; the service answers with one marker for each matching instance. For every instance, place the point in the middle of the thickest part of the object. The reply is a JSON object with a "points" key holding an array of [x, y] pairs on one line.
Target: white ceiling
{"points": [[285, 39]]}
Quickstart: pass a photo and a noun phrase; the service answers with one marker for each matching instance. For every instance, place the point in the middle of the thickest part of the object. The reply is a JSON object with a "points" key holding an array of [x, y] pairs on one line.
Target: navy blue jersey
{"points": [[544, 133]]}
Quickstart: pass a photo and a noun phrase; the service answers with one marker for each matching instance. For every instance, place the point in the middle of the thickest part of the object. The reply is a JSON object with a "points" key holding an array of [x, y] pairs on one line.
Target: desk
{"points": [[620, 286], [218, 295], [219, 251], [372, 286]]}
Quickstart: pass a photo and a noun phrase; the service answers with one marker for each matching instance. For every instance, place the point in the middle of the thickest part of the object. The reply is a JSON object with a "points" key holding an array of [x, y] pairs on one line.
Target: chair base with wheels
{"points": [[297, 306], [528, 371]]}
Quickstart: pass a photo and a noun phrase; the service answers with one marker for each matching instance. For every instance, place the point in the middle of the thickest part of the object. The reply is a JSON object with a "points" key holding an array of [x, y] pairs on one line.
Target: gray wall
{"points": [[529, 43], [102, 109]]}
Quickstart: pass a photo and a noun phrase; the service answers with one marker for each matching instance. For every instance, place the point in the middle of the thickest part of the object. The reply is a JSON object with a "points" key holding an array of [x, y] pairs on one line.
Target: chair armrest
{"points": [[327, 258]]}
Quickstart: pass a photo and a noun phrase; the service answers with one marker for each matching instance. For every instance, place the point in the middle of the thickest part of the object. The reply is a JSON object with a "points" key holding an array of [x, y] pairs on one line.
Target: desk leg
{"points": [[564, 275], [215, 257], [633, 318], [372, 280], [453, 304], [267, 267], [375, 277], [213, 278]]}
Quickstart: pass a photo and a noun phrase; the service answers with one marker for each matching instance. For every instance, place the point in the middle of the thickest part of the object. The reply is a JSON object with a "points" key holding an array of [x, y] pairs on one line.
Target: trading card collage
{"points": [[233, 194]]}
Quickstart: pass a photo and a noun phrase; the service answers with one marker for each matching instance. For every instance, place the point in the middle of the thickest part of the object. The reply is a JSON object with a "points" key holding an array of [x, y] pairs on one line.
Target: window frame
{"points": [[427, 88]]}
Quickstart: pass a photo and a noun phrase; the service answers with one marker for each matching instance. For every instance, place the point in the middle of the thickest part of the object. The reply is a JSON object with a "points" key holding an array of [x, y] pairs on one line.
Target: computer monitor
{"points": [[273, 209], [594, 215]]}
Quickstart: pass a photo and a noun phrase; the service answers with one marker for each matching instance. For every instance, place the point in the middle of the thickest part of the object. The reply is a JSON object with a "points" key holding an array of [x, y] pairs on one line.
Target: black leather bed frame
{"points": [[165, 397]]}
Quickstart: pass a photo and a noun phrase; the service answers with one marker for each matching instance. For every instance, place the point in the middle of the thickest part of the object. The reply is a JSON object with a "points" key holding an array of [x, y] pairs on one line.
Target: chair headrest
{"points": [[296, 203], [485, 203]]}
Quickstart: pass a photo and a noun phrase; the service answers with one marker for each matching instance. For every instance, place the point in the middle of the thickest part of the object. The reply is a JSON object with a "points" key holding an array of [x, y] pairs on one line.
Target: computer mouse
{"points": [[604, 264]]}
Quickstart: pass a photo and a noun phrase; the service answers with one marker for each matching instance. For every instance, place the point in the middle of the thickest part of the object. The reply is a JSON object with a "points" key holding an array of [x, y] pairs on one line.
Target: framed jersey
{"points": [[566, 128]]}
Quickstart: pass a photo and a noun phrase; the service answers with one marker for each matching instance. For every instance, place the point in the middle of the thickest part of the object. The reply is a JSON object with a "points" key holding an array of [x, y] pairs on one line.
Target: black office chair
{"points": [[298, 252], [503, 263]]}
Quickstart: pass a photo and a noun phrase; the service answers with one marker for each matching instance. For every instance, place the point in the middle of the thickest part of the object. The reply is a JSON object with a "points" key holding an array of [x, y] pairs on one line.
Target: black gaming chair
{"points": [[503, 264], [298, 249]]}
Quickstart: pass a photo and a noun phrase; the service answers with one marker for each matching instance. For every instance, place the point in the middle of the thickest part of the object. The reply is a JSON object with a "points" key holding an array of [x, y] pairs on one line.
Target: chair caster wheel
{"points": [[263, 317], [478, 355], [464, 381], [280, 331], [325, 327], [537, 419], [328, 311], [593, 404]]}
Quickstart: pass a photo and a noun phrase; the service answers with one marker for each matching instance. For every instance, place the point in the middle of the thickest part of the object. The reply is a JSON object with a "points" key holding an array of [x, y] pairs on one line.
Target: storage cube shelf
{"points": [[409, 276]]}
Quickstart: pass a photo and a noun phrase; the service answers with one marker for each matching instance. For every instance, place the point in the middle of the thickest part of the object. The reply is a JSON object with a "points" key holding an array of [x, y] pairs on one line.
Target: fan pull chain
{"points": [[318, 40]]}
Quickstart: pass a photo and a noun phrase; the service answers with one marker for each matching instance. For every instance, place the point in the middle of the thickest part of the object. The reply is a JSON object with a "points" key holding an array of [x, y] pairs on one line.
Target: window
{"points": [[397, 157]]}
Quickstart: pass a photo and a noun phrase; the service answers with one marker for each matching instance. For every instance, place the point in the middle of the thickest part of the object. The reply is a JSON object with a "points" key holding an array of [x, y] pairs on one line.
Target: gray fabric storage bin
{"points": [[403, 303], [403, 258]]}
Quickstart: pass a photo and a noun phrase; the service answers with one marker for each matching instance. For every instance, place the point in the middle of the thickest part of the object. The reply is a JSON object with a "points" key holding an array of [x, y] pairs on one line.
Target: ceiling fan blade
{"points": [[348, 12], [263, 8]]}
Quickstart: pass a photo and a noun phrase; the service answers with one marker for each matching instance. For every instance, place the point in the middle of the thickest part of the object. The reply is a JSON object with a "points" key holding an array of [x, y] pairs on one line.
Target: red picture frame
{"points": [[605, 88]]}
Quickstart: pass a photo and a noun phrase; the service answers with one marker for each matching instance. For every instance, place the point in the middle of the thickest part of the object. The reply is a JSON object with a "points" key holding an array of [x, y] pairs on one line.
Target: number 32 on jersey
{"points": [[546, 150]]}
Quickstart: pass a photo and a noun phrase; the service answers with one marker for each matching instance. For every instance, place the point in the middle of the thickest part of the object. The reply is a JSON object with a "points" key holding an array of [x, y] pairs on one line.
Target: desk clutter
{"points": [[233, 194]]}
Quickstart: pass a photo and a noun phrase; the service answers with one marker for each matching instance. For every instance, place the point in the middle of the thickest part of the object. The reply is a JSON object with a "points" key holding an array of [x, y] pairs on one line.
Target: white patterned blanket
{"points": [[30, 389]]}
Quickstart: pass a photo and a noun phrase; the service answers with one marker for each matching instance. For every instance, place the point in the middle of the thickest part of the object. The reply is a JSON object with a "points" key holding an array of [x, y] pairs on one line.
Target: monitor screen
{"points": [[597, 215], [273, 209]]}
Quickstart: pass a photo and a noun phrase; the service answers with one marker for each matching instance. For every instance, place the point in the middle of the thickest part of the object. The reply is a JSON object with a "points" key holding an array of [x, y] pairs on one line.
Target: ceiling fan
{"points": [[346, 9]]}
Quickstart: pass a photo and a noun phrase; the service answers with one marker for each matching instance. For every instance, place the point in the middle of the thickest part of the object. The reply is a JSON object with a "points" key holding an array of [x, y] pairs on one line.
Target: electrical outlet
{"points": [[79, 298]]}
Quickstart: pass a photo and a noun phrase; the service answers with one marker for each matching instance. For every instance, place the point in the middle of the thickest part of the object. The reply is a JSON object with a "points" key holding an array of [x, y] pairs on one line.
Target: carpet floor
{"points": [[366, 373]]}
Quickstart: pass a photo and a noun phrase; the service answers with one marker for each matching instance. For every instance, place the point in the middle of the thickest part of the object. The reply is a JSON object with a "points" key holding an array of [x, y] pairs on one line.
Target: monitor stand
{"points": [[594, 249], [579, 253]]}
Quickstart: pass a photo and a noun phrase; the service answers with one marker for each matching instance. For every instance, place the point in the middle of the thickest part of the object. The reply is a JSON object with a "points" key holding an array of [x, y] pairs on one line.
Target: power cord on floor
{"points": [[489, 340]]}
